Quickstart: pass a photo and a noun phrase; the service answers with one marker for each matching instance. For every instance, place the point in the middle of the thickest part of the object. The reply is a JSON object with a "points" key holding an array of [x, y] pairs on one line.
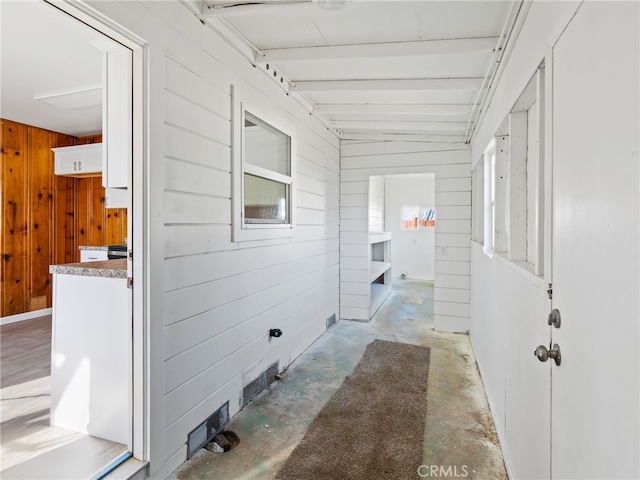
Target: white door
{"points": [[595, 401]]}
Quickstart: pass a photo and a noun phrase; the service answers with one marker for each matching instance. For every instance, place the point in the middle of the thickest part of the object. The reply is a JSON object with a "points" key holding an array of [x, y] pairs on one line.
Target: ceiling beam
{"points": [[409, 127], [414, 84], [395, 108], [233, 38], [404, 137], [378, 50], [243, 9]]}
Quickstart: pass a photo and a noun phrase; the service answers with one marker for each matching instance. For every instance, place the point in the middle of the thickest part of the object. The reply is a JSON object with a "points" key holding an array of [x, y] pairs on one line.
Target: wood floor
{"points": [[29, 446], [25, 351]]}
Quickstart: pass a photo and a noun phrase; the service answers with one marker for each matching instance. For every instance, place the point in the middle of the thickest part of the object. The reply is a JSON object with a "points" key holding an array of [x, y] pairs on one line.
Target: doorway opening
{"points": [[404, 206], [63, 115]]}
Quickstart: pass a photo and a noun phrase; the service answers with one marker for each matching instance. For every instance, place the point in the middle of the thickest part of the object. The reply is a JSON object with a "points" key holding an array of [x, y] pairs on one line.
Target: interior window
{"points": [[263, 193], [266, 173]]}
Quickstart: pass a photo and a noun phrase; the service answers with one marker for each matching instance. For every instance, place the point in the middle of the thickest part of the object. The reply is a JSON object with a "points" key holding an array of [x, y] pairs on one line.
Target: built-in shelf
{"points": [[379, 269], [379, 293], [377, 237]]}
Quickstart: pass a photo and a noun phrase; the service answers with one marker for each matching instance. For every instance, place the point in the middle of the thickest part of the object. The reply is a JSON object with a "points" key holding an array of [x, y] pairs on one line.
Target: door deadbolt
{"points": [[543, 354], [554, 318]]}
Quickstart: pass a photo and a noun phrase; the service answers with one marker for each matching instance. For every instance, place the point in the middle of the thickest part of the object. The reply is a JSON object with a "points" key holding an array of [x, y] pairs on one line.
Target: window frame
{"points": [[489, 165], [240, 230], [516, 178], [477, 201]]}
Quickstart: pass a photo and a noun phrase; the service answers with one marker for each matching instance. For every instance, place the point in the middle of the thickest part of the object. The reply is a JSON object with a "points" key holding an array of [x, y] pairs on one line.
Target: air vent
{"points": [[265, 379], [81, 97], [207, 430]]}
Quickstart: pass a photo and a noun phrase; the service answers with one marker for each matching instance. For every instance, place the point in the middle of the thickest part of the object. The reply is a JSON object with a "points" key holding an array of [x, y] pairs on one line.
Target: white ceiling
{"points": [[374, 68], [44, 51], [371, 69]]}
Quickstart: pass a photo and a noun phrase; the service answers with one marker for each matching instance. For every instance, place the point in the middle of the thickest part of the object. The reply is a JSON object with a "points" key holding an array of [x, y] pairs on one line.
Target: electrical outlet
{"points": [[444, 250]]}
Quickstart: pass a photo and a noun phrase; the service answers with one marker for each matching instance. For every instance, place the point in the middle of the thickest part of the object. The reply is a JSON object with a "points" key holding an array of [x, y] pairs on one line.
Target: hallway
{"points": [[459, 433]]}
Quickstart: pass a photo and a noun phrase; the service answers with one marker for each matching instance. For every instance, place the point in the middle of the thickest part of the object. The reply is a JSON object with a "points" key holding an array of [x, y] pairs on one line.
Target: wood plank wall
{"points": [[40, 215], [222, 296], [451, 164], [96, 225], [213, 301]]}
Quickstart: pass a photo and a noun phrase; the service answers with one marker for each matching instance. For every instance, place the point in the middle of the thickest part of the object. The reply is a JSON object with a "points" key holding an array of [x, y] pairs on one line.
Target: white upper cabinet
{"points": [[116, 115], [79, 160], [116, 198]]}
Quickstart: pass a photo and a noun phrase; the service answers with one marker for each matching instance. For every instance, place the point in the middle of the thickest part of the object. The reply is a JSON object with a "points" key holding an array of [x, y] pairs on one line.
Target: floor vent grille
{"points": [[331, 321], [265, 379], [204, 433]]}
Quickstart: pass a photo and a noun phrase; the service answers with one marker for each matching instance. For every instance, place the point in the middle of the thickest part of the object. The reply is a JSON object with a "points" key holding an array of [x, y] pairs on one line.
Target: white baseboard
{"points": [[25, 316]]}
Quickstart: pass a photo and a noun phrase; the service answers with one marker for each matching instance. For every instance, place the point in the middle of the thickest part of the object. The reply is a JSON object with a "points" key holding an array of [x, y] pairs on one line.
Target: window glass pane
{"points": [[265, 146], [265, 201], [410, 215]]}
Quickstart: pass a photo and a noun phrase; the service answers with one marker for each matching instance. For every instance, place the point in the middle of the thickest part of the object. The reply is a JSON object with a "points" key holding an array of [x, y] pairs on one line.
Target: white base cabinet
{"points": [[93, 255], [91, 357]]}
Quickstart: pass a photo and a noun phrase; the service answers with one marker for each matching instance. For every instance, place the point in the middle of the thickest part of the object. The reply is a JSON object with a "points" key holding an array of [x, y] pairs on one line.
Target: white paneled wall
{"points": [[213, 301], [451, 165], [412, 251], [221, 298], [509, 304], [376, 204]]}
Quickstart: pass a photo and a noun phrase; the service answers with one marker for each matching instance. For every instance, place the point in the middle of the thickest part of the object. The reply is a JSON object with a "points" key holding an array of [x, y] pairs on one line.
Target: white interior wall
{"points": [[544, 23], [450, 163], [412, 251], [376, 204], [509, 305], [211, 302]]}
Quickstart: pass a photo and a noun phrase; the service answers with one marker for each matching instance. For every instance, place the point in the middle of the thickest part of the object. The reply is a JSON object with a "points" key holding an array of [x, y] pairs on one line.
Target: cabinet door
{"points": [[91, 158], [78, 161], [93, 255], [67, 161], [117, 117]]}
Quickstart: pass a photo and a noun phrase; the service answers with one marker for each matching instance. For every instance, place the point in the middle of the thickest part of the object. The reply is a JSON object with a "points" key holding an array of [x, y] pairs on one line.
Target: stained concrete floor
{"points": [[459, 438]]}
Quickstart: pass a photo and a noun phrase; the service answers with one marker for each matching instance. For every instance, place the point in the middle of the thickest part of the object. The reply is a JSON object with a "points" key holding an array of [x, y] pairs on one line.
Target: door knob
{"points": [[554, 318], [543, 354]]}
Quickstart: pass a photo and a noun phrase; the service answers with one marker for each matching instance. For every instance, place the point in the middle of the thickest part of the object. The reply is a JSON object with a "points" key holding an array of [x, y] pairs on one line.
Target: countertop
{"points": [[89, 247], [105, 268]]}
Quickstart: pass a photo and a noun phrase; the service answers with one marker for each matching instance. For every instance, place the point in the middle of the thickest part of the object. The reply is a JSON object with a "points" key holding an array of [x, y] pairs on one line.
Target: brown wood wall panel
{"points": [[63, 214], [40, 205], [116, 225], [97, 212], [44, 217], [81, 209], [89, 139], [64, 226], [14, 218], [103, 226]]}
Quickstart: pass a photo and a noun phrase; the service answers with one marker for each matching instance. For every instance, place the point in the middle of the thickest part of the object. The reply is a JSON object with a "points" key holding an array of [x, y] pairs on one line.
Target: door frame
{"points": [[137, 238]]}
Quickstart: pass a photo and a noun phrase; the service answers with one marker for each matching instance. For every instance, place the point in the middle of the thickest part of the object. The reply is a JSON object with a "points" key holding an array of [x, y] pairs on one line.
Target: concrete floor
{"points": [[459, 439]]}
